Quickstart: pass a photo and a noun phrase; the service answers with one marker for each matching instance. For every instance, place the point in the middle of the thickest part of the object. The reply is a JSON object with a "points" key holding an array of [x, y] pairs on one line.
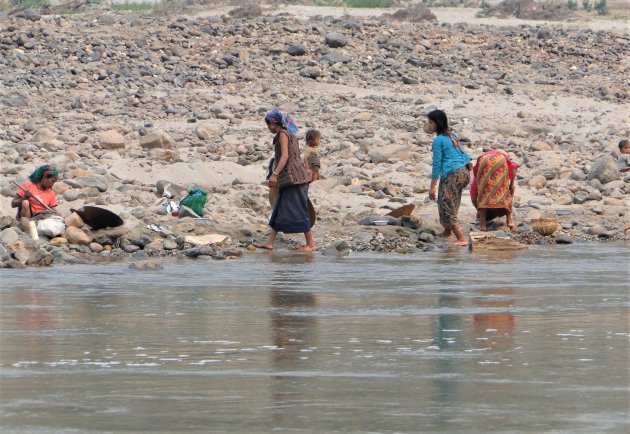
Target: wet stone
{"points": [[131, 248], [563, 239]]}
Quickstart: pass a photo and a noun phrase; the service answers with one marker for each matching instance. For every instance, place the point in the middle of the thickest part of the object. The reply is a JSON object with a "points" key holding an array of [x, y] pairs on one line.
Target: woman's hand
{"points": [[432, 193], [273, 181]]}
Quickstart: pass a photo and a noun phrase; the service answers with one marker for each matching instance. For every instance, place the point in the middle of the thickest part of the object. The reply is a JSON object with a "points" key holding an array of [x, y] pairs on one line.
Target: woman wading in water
{"points": [[290, 212], [451, 168]]}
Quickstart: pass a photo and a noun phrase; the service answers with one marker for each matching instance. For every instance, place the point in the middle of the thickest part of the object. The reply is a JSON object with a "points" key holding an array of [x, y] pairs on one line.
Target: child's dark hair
{"points": [[312, 135], [623, 143], [440, 119]]}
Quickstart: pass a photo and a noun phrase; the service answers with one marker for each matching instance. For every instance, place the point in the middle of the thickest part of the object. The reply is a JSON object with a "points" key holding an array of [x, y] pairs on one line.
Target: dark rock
{"points": [[131, 248], [296, 50], [198, 251], [142, 241], [563, 239], [29, 14], [426, 237], [310, 72], [140, 255], [414, 14], [336, 40], [409, 80]]}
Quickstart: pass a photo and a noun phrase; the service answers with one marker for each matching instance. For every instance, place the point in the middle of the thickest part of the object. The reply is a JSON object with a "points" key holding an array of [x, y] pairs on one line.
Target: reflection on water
{"points": [[294, 335], [448, 341]]}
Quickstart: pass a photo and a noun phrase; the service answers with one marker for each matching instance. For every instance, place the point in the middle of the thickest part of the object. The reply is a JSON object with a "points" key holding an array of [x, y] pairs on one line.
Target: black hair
{"points": [[623, 143], [440, 119], [312, 135]]}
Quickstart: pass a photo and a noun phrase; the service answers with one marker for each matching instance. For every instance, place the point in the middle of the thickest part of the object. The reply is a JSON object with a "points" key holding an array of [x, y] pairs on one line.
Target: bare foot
{"points": [[483, 228], [307, 248], [444, 234], [265, 246], [459, 243]]}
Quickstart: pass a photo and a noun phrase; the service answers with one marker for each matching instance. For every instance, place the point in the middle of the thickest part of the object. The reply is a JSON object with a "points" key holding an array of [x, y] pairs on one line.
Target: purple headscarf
{"points": [[282, 118]]}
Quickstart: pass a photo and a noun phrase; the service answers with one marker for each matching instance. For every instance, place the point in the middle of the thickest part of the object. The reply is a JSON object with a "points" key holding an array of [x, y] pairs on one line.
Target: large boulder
{"points": [[29, 14], [207, 132], [156, 139], [97, 181], [75, 220], [604, 170], [414, 14], [8, 236], [75, 235], [112, 139], [109, 235]]}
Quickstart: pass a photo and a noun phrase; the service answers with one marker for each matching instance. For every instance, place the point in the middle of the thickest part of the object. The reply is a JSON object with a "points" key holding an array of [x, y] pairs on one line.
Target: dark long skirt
{"points": [[290, 213]]}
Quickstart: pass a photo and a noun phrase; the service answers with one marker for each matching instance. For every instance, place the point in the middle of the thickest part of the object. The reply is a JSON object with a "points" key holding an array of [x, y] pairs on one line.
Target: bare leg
{"points": [[483, 224], [310, 243], [461, 239], [510, 221], [447, 233], [25, 211], [269, 243]]}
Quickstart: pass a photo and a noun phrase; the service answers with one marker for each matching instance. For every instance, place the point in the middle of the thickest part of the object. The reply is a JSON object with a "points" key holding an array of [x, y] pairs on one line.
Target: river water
{"points": [[444, 341]]}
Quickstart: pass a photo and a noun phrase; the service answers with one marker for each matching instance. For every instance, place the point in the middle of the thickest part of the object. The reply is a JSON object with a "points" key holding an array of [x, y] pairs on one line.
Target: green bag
{"points": [[195, 200]]}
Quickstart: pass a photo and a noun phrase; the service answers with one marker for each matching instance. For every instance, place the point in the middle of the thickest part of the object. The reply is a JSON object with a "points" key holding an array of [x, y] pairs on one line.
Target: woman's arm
{"points": [[437, 166], [16, 201], [284, 151]]}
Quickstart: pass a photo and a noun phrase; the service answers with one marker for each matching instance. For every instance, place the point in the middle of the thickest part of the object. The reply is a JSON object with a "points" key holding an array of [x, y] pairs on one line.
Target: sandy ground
{"points": [[444, 15]]}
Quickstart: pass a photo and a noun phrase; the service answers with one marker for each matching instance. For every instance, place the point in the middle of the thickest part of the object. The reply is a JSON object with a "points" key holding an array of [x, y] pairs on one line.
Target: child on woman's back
{"points": [[313, 163]]}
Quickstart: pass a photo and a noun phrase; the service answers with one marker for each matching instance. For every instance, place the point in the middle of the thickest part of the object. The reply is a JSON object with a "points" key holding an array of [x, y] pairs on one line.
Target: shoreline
{"points": [[180, 99]]}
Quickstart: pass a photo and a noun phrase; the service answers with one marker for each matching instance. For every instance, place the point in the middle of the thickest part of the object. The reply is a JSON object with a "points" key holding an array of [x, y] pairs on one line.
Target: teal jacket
{"points": [[446, 157]]}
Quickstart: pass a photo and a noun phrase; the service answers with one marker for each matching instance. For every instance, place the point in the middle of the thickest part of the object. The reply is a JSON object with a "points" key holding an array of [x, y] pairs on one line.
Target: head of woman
{"points": [[278, 120], [274, 127], [45, 176], [436, 122]]}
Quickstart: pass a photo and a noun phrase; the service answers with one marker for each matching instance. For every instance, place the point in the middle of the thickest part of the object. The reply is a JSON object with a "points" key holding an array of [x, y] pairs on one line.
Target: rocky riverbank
{"points": [[128, 105]]}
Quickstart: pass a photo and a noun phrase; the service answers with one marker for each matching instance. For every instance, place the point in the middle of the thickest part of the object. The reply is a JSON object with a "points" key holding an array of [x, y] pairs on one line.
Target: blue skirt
{"points": [[290, 214]]}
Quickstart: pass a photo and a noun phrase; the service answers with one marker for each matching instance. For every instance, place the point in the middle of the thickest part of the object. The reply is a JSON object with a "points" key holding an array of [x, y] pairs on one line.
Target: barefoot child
{"points": [[313, 163]]}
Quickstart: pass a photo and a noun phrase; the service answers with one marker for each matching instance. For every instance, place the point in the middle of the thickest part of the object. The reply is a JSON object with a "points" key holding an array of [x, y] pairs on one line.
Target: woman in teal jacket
{"points": [[451, 167]]}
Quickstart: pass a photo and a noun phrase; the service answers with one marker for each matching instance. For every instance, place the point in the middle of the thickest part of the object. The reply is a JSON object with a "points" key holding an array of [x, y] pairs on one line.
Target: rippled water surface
{"points": [[445, 341]]}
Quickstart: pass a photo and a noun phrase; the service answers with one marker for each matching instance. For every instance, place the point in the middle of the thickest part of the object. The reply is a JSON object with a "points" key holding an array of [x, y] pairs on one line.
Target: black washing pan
{"points": [[98, 218]]}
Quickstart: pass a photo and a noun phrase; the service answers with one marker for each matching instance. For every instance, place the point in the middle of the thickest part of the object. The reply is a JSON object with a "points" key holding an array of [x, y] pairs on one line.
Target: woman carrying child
{"points": [[290, 212]]}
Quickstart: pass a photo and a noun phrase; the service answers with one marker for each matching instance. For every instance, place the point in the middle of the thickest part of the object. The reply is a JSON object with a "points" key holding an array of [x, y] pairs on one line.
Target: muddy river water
{"points": [[444, 341]]}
